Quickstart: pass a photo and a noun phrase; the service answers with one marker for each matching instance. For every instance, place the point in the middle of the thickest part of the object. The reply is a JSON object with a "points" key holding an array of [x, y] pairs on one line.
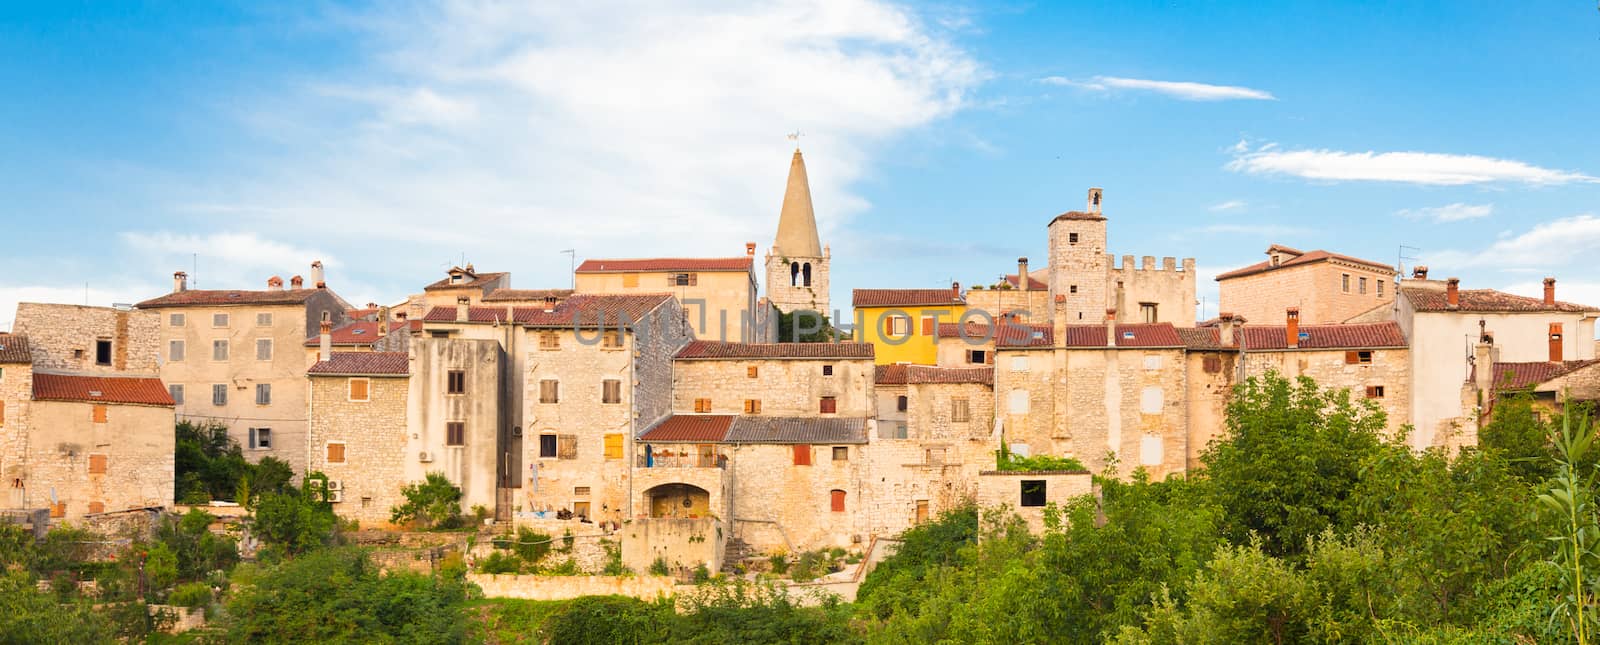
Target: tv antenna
{"points": [[1401, 257], [572, 266]]}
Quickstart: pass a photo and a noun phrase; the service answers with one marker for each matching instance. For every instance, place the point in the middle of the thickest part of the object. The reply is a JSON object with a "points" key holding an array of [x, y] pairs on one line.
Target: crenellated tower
{"points": [[797, 263], [1078, 264]]}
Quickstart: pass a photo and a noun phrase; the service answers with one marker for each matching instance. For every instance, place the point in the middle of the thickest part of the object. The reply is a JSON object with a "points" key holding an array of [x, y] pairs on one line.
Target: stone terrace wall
{"points": [[528, 587]]}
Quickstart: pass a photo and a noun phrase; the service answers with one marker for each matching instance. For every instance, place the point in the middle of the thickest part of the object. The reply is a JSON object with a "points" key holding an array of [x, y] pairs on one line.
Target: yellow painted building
{"points": [[903, 324]]}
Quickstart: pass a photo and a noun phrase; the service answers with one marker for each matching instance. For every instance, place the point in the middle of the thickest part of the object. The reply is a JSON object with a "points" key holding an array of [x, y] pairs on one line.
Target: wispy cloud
{"points": [[1549, 244], [1183, 90], [1230, 205], [1428, 168], [1448, 213], [1261, 230]]}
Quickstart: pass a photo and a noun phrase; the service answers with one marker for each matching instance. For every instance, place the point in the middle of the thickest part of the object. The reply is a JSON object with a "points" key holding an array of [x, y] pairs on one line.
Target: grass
{"points": [[509, 620]]}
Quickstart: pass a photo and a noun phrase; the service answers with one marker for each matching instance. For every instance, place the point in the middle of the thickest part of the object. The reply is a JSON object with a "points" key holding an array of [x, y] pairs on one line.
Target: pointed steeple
{"points": [[797, 223]]}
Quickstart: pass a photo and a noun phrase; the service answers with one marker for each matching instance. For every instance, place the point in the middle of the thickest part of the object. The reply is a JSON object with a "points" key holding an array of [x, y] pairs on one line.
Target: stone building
{"points": [[902, 324], [236, 357], [360, 436], [797, 263], [1030, 493], [935, 434], [1025, 300], [16, 399], [1371, 360], [1084, 280], [90, 340], [1326, 287], [720, 295]]}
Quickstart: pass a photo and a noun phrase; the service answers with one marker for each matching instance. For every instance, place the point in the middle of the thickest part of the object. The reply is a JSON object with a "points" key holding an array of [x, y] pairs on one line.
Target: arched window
{"points": [[806, 272], [837, 500], [794, 274]]}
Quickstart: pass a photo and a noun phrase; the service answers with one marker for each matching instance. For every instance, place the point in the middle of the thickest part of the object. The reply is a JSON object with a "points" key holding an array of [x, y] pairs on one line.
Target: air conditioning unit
{"points": [[314, 484], [334, 484], [425, 457], [516, 431], [336, 496]]}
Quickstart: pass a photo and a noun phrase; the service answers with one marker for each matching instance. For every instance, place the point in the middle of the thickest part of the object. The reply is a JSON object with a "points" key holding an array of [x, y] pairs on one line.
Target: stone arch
{"points": [[805, 271], [794, 274], [679, 500]]}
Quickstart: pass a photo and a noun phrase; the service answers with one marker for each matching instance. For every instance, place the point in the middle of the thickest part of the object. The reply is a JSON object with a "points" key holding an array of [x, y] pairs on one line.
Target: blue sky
{"points": [[390, 140]]}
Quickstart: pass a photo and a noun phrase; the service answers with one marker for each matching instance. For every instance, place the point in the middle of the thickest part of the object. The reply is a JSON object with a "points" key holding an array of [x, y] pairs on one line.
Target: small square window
{"points": [[176, 391], [549, 341], [219, 394], [175, 351], [611, 340], [1072, 288], [829, 405], [1033, 492], [611, 391], [1374, 391], [827, 370], [752, 371], [549, 391], [100, 413], [960, 410], [841, 453], [901, 403], [360, 389], [335, 452], [219, 320], [97, 464], [259, 439], [614, 446], [752, 406], [219, 350], [175, 320], [455, 433], [702, 405], [263, 349], [263, 394], [456, 382], [547, 445], [102, 352], [977, 356], [263, 320], [1072, 238]]}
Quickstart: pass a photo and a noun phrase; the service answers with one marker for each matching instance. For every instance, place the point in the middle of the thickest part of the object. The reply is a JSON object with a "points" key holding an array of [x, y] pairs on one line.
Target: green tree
{"points": [[28, 615], [1517, 433], [817, 328], [160, 566], [199, 551], [295, 521], [609, 620], [432, 503]]}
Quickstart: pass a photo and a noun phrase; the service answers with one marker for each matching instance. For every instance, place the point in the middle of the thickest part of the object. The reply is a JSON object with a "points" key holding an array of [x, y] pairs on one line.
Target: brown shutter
{"points": [[837, 502], [335, 453], [97, 464], [2, 413], [802, 455], [1351, 358], [567, 446], [752, 371]]}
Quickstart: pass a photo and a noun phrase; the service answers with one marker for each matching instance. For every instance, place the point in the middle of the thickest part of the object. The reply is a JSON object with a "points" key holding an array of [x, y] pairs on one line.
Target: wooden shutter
{"points": [[751, 371], [99, 413], [927, 326], [1212, 364], [614, 446], [2, 413], [567, 446], [829, 405], [888, 326], [97, 464], [702, 405], [802, 455], [1351, 358], [335, 453], [358, 389], [97, 507], [752, 406], [836, 503]]}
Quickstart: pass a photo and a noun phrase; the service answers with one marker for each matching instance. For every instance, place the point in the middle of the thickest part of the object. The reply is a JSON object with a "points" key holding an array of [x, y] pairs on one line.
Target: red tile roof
{"points": [[363, 364], [1079, 215], [904, 297], [709, 349], [823, 430], [475, 280], [1350, 336], [1128, 335], [1034, 284], [1302, 259], [526, 295], [900, 374], [474, 314], [1008, 335], [705, 428], [1516, 376], [199, 298], [629, 265], [1484, 301], [14, 349], [134, 390], [590, 311], [1205, 338], [355, 333]]}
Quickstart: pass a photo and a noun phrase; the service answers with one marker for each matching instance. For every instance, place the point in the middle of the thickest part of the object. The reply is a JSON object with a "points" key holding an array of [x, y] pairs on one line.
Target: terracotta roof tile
{"points": [[526, 295], [1485, 301], [1303, 259], [709, 349], [765, 429], [363, 364], [628, 265], [1008, 335], [1348, 336], [1202, 338], [591, 311], [1516, 376], [136, 390], [904, 297], [474, 314], [1128, 335], [1079, 215], [14, 349], [199, 298], [690, 427], [363, 332], [927, 374], [1034, 284], [476, 280]]}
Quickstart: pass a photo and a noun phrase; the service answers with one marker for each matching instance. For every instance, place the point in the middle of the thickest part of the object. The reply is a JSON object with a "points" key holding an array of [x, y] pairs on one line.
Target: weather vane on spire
{"points": [[795, 137]]}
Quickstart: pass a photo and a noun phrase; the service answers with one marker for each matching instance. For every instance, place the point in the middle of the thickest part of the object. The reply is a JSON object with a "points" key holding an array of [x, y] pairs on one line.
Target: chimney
{"points": [[1555, 342], [1291, 328], [1022, 274], [1094, 200], [1484, 356], [316, 275], [750, 249], [462, 304], [383, 322], [274, 283], [1420, 272], [955, 290], [180, 282], [1111, 327], [1225, 329], [400, 316], [325, 344], [1452, 292], [1549, 292], [297, 282], [550, 303]]}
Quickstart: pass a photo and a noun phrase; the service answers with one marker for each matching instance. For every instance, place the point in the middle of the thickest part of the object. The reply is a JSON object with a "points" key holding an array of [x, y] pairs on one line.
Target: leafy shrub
{"points": [[614, 565], [606, 620], [701, 573], [660, 567], [1008, 461], [809, 566], [434, 503], [500, 562], [779, 562], [294, 521], [191, 594]]}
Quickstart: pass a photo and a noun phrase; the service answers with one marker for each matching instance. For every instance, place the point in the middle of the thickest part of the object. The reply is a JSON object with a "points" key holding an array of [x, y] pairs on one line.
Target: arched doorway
{"points": [[679, 500]]}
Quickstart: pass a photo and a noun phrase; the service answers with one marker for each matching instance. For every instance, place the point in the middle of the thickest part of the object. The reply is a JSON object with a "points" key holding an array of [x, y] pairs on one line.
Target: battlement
{"points": [[1148, 263]]}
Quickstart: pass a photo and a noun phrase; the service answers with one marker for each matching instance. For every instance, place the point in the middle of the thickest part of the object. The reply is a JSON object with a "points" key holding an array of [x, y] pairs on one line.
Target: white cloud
{"points": [[1456, 212], [1583, 292], [1409, 167], [1230, 205], [1183, 90], [231, 260], [1549, 244]]}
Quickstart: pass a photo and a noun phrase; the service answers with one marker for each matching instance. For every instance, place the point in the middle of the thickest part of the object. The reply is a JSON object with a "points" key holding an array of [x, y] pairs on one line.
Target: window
{"points": [[1358, 357], [829, 405], [455, 382], [1019, 363], [708, 455], [802, 455], [891, 429], [614, 446], [682, 280], [97, 464], [580, 491], [841, 453], [702, 405], [1033, 492], [611, 340], [360, 389], [567, 446], [263, 394], [1344, 282], [1212, 364], [960, 410], [927, 326], [219, 394], [901, 402], [175, 320], [1072, 288], [260, 439], [1072, 238], [99, 413], [933, 456], [1361, 286], [455, 433], [549, 391], [263, 320], [977, 356], [1380, 286], [581, 510], [836, 500], [630, 280], [549, 340], [335, 452], [897, 325], [1147, 312], [547, 446], [263, 349], [752, 406], [219, 320], [438, 333], [102, 352], [219, 350], [1151, 400], [827, 370], [611, 391], [1374, 391], [1019, 402], [751, 371], [175, 351], [922, 511]]}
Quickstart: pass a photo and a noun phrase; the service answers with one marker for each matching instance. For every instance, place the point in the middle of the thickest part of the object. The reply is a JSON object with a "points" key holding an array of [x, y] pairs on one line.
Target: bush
{"points": [[294, 521], [809, 566], [660, 567], [1008, 461], [701, 573], [434, 503], [191, 594], [606, 620], [500, 562], [779, 562]]}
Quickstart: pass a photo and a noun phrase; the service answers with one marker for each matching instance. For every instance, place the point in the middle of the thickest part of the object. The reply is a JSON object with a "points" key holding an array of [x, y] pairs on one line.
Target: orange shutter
{"points": [[802, 455], [97, 507], [358, 389], [99, 413], [97, 464], [335, 453], [837, 501], [1351, 358], [927, 326], [2, 413]]}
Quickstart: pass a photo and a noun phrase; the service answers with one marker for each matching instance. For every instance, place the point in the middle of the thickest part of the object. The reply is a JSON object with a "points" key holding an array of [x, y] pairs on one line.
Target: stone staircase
{"points": [[733, 553]]}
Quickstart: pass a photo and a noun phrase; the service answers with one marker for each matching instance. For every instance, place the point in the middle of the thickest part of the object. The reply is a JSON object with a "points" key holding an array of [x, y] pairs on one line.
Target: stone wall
{"points": [[529, 587], [1208, 380], [374, 436], [1004, 489], [16, 397], [778, 506], [136, 443], [1032, 428], [1130, 402], [720, 305], [1390, 369], [1167, 287], [474, 464], [682, 543], [787, 387], [1317, 289], [1035, 302], [63, 337], [1081, 265]]}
